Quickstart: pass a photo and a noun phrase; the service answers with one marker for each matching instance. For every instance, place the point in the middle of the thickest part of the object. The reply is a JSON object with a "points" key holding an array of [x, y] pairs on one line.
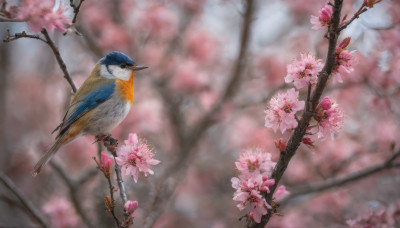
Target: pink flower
{"points": [[159, 21], [344, 61], [255, 162], [280, 144], [189, 77], [201, 45], [323, 19], [248, 192], [329, 117], [44, 13], [282, 109], [135, 157], [371, 220], [106, 163], [281, 192], [304, 72], [61, 213], [130, 207]]}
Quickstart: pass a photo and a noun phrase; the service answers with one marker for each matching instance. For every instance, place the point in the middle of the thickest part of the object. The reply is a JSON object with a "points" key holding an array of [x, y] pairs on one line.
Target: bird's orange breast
{"points": [[125, 88]]}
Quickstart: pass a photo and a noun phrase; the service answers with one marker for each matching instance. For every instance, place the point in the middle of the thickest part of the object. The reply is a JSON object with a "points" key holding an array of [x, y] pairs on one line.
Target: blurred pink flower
{"points": [[376, 219], [344, 60], [61, 213], [281, 192], [323, 19], [282, 109], [135, 157], [159, 20], [255, 162], [189, 77], [130, 207], [201, 45], [304, 72], [329, 117], [44, 13]]}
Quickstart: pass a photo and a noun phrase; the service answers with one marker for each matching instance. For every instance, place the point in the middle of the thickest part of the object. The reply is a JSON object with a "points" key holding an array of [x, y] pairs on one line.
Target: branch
{"points": [[340, 181], [234, 80], [300, 130], [59, 59], [73, 187], [111, 144], [24, 200], [76, 9], [51, 44], [110, 205], [187, 139]]}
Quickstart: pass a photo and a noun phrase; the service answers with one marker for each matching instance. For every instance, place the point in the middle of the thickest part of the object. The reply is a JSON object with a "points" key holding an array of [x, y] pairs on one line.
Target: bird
{"points": [[99, 105]]}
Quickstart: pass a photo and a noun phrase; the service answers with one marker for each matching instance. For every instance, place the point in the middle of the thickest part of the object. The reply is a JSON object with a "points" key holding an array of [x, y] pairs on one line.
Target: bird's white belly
{"points": [[107, 116]]}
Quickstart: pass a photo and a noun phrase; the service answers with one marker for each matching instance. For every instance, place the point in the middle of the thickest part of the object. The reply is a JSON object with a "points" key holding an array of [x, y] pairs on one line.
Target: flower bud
{"points": [[130, 206]]}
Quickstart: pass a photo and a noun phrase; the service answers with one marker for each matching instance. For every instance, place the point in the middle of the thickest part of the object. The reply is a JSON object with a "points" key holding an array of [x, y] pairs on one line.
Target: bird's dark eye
{"points": [[123, 65]]}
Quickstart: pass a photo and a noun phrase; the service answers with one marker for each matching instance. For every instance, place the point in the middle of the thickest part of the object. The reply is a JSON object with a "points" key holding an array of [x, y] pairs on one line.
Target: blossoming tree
{"points": [[285, 110]]}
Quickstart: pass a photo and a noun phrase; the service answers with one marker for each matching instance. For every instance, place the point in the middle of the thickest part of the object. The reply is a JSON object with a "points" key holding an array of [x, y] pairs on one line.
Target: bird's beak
{"points": [[137, 68]]}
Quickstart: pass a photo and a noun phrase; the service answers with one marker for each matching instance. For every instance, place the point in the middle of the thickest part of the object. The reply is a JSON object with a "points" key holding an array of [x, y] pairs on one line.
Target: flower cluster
{"points": [[323, 19], [135, 157], [329, 117], [44, 13], [282, 109], [344, 60], [255, 167], [304, 72]]}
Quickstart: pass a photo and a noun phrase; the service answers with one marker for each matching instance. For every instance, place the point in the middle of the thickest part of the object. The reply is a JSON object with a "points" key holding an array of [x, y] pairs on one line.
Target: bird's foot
{"points": [[99, 138]]}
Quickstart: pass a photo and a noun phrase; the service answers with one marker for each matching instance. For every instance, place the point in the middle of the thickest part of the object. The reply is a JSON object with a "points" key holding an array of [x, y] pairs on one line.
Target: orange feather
{"points": [[125, 88]]}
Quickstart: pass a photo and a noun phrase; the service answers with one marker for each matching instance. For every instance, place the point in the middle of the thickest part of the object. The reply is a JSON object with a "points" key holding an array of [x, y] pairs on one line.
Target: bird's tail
{"points": [[61, 140], [46, 158]]}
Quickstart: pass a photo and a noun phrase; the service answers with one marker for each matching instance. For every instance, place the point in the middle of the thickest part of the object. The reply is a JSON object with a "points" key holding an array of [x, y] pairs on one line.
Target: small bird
{"points": [[100, 104]]}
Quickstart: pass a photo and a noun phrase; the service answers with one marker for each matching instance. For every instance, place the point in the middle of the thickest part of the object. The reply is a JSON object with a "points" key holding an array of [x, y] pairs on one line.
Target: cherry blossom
{"points": [[255, 162], [130, 207], [282, 109], [135, 157], [44, 13], [329, 117], [304, 72], [323, 19], [248, 192], [344, 60]]}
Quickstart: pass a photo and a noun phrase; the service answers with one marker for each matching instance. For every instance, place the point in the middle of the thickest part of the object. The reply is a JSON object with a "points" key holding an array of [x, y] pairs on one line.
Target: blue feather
{"points": [[85, 105], [116, 58]]}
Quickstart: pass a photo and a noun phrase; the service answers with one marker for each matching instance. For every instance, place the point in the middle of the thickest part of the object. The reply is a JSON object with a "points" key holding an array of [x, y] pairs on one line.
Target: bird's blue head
{"points": [[118, 65]]}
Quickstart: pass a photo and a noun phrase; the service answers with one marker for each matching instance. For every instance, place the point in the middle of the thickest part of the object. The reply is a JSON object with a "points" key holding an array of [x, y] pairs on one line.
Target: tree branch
{"points": [[340, 181], [76, 9], [24, 200], [300, 130], [111, 144]]}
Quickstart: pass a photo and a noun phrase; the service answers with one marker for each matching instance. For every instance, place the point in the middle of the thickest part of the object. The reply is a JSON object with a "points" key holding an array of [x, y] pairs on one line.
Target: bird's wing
{"points": [[86, 103]]}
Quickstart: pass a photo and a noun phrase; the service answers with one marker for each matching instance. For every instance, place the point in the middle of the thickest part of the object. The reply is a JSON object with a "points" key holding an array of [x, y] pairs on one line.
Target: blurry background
{"points": [[191, 47]]}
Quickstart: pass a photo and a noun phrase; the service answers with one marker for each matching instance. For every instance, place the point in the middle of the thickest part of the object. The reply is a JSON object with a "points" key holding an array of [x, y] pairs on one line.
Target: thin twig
{"points": [[111, 207], [111, 144], [24, 200], [340, 181], [60, 60], [53, 47], [76, 9]]}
